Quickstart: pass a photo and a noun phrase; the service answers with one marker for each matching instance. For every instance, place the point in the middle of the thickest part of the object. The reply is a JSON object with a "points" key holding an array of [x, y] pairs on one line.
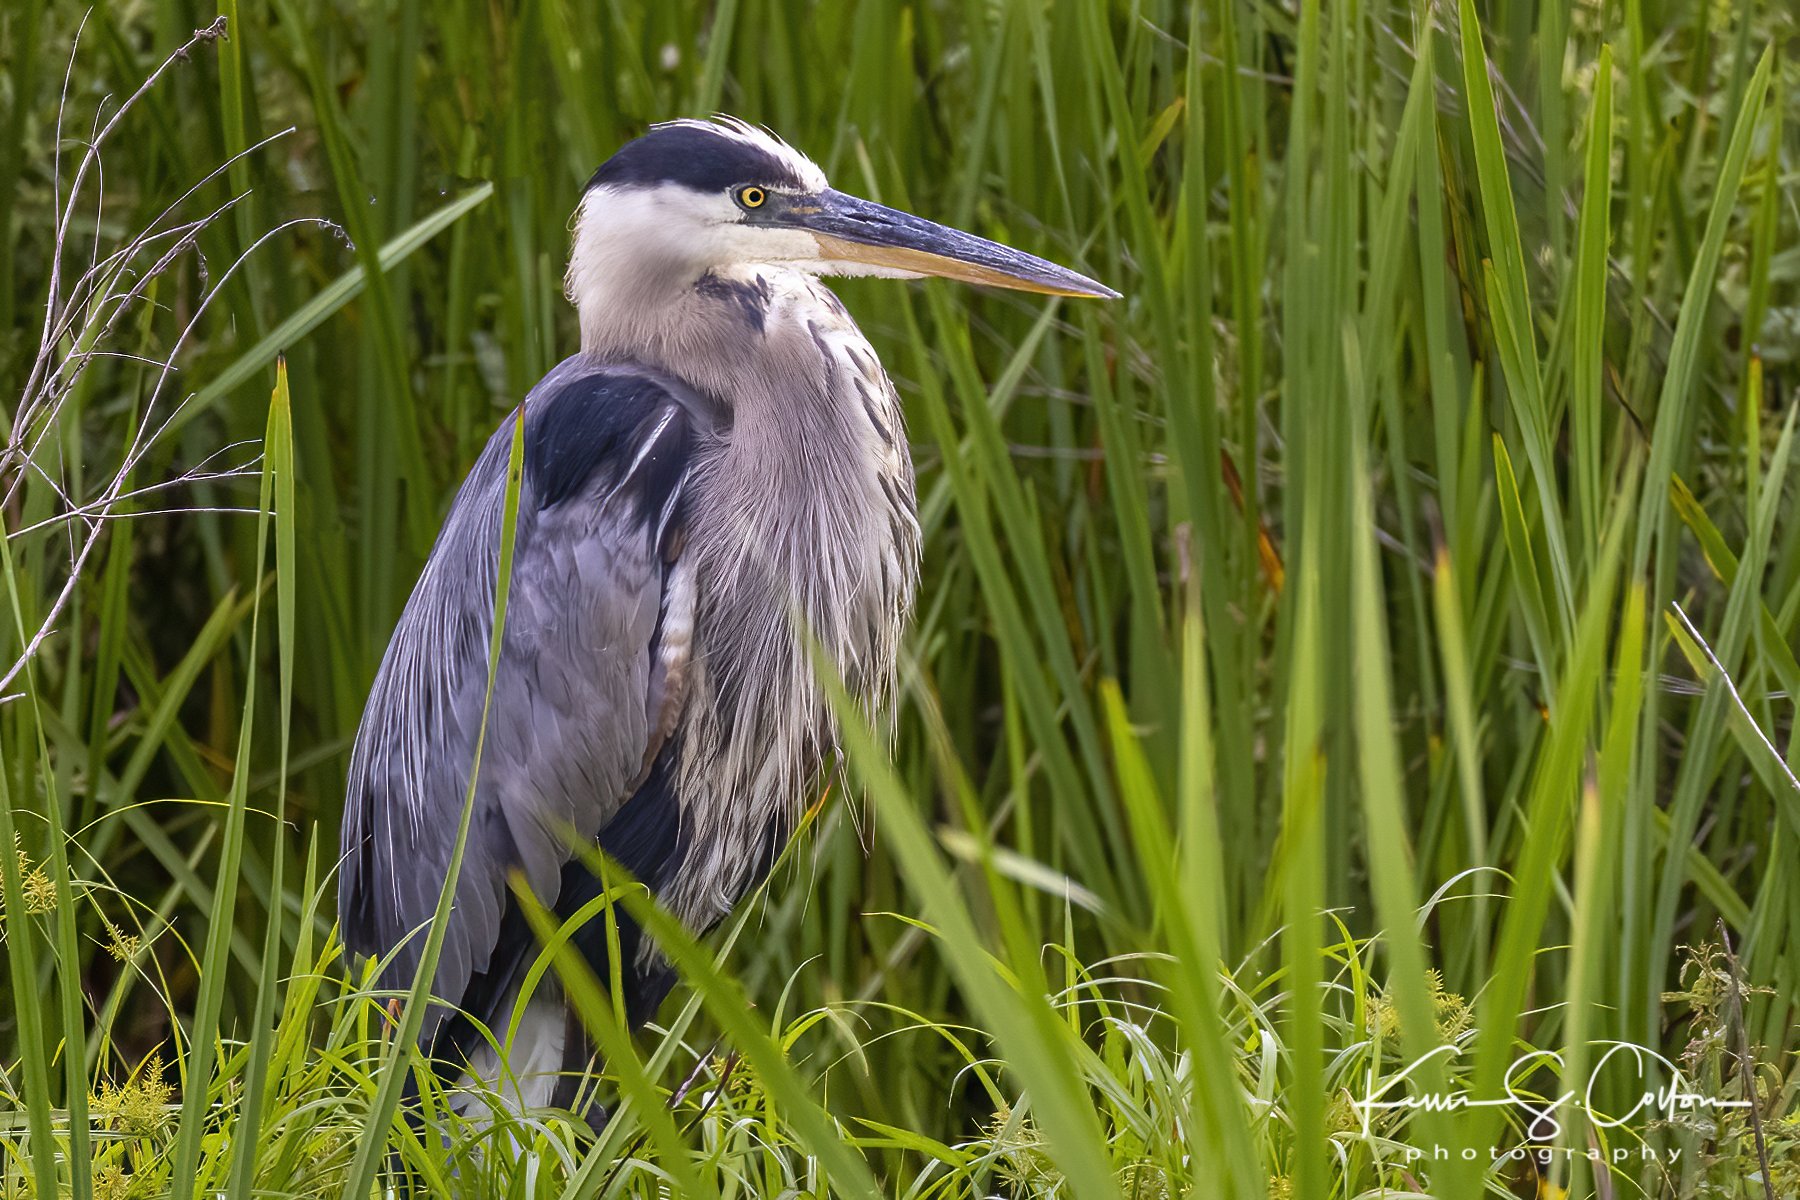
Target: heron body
{"points": [[715, 486]]}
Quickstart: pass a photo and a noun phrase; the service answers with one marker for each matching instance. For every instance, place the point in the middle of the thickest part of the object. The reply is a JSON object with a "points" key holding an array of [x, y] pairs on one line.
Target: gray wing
{"points": [[570, 729]]}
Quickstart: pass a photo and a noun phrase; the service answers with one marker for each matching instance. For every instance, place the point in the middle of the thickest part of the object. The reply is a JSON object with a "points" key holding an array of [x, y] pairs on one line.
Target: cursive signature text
{"points": [[1541, 1111]]}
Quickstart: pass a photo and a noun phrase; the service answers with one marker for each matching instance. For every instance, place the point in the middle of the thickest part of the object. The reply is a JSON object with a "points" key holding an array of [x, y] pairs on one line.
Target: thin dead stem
{"points": [[82, 315], [1731, 689]]}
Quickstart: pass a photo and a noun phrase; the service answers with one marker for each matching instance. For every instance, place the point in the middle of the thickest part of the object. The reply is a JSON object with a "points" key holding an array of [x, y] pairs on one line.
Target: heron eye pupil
{"points": [[752, 197]]}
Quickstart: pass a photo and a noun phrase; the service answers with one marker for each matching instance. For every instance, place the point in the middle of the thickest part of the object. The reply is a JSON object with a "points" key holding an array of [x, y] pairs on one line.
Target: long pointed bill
{"points": [[856, 231]]}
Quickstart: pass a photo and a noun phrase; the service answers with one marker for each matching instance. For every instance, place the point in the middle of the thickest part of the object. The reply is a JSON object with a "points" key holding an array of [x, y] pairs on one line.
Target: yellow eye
{"points": [[752, 197]]}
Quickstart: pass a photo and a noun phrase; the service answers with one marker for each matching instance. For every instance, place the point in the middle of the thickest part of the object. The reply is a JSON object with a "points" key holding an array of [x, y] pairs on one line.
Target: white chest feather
{"points": [[803, 535]]}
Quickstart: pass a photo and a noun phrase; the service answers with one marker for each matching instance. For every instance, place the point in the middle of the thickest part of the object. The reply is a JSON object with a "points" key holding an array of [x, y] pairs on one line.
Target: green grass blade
{"points": [[277, 497], [22, 942], [329, 300], [397, 1060], [199, 1062]]}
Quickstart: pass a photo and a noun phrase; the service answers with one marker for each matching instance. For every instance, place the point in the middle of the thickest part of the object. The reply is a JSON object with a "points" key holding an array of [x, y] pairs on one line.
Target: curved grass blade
{"points": [[397, 1060], [332, 297]]}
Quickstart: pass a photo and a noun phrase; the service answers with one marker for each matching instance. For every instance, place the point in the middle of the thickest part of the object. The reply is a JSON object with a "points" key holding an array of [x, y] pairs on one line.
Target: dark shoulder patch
{"points": [[697, 156], [620, 426], [747, 298]]}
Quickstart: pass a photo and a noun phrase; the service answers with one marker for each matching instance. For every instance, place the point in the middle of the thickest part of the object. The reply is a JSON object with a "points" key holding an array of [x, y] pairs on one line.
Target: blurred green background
{"points": [[1333, 570]]}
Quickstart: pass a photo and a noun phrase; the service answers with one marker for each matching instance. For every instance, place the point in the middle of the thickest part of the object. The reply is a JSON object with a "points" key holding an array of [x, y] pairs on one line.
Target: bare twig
{"points": [[82, 314], [1736, 699], [1734, 1021]]}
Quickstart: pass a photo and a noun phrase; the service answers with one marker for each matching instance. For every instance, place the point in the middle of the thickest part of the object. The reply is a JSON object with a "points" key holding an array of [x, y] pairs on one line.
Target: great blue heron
{"points": [[719, 475]]}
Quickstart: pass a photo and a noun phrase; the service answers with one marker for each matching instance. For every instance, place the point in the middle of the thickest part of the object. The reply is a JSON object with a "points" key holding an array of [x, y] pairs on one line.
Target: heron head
{"points": [[690, 198]]}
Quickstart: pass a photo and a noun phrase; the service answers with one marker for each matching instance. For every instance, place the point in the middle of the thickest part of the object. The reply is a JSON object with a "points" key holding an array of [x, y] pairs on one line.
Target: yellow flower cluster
{"points": [[39, 888], [121, 945], [1451, 1012], [111, 1183], [140, 1106]]}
